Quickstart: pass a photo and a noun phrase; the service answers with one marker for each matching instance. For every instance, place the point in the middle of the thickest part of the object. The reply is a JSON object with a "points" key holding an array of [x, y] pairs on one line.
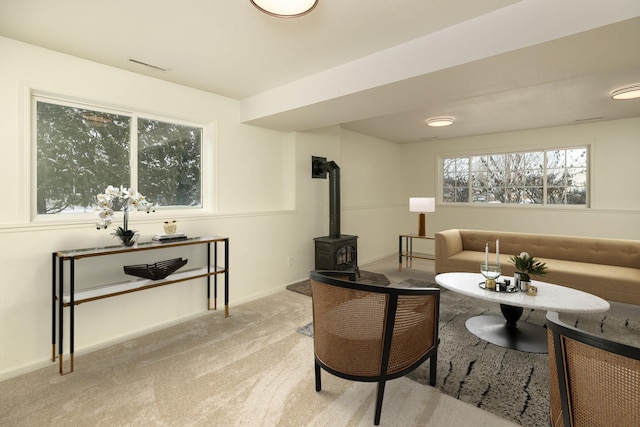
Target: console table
{"points": [[408, 253], [72, 297]]}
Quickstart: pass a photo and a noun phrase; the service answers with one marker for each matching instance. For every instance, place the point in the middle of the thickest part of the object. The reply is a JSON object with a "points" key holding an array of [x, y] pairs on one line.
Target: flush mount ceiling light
{"points": [[438, 122], [627, 92], [285, 8]]}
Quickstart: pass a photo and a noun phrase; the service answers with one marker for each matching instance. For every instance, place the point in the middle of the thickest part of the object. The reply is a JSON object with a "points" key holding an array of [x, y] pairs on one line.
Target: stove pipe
{"points": [[334, 198], [319, 169]]}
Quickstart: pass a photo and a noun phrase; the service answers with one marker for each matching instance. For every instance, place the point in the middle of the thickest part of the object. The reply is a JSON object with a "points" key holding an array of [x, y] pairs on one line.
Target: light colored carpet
{"points": [[251, 369]]}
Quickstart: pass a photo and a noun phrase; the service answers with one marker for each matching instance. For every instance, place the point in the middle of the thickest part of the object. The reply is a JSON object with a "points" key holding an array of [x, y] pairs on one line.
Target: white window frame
{"points": [[544, 150], [207, 158]]}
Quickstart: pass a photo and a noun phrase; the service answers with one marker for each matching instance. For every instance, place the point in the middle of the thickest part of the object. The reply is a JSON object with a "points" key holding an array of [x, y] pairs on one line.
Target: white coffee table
{"points": [[508, 331]]}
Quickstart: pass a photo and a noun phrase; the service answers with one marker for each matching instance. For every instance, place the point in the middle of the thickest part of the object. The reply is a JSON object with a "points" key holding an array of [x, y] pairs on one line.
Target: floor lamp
{"points": [[422, 205]]}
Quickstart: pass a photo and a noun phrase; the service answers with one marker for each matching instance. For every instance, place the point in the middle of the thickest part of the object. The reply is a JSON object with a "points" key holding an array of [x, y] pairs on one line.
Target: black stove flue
{"points": [[336, 251]]}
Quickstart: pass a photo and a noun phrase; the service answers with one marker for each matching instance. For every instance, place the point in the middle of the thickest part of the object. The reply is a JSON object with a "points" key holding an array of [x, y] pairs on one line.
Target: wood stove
{"points": [[335, 251]]}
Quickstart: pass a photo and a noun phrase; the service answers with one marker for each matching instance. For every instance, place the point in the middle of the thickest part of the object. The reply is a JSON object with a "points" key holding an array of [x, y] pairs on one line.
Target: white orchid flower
{"points": [[105, 204], [131, 199], [111, 192], [105, 213], [123, 193], [104, 223]]}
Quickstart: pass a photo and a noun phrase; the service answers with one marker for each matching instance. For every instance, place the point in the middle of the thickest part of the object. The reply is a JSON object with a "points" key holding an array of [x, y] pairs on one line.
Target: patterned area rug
{"points": [[508, 383], [511, 384]]}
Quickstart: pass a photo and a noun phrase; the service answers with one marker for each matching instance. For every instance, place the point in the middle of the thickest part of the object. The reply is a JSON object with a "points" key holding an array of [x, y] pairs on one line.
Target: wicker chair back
{"points": [[593, 381], [372, 333]]}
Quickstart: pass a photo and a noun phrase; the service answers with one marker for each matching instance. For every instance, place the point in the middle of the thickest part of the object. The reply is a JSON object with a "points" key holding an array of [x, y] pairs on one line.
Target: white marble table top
{"points": [[550, 297]]}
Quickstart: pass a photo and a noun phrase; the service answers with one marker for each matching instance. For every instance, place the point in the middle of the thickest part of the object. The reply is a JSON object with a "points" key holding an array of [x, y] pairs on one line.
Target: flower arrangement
{"points": [[529, 266], [129, 198]]}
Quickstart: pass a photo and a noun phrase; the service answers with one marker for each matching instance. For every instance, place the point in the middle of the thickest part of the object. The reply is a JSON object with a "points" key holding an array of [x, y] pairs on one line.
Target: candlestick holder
{"points": [[490, 272]]}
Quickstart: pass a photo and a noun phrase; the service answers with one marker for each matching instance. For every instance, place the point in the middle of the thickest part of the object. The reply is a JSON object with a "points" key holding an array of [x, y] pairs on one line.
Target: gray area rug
{"points": [[511, 384]]}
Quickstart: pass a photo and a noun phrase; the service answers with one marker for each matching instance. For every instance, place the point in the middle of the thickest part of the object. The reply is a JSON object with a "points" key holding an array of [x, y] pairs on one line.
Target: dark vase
{"points": [[128, 239]]}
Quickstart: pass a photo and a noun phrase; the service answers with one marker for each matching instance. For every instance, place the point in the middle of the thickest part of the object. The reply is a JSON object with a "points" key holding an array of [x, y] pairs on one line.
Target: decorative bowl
{"points": [[157, 270]]}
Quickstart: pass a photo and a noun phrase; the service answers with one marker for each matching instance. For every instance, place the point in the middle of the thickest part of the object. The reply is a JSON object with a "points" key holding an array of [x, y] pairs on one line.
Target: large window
{"points": [[546, 177], [80, 150]]}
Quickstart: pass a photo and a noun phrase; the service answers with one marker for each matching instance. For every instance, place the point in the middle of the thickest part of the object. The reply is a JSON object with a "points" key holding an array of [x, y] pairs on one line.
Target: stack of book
{"points": [[169, 237]]}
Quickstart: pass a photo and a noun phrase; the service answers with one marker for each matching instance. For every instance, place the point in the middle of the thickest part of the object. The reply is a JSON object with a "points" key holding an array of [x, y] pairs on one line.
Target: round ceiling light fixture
{"points": [[627, 92], [285, 8], [438, 122]]}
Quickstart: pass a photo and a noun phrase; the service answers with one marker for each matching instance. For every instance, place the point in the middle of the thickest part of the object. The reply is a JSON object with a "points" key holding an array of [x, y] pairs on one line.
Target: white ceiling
{"points": [[379, 67]]}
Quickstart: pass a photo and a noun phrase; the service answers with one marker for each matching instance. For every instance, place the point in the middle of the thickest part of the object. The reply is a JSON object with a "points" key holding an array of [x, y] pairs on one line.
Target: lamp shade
{"points": [[285, 8], [422, 204]]}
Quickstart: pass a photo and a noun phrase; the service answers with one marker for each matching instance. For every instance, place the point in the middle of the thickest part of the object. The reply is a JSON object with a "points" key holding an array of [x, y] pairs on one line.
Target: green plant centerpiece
{"points": [[529, 266], [126, 199]]}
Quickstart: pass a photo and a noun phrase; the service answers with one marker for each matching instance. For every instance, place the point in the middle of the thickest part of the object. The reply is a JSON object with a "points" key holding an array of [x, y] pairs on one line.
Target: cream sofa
{"points": [[609, 268]]}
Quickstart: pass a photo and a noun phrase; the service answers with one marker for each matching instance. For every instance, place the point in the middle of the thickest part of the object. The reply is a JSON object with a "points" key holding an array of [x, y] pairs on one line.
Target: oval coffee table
{"points": [[507, 330]]}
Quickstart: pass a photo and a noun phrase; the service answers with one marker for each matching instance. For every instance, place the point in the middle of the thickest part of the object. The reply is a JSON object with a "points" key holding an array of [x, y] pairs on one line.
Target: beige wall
{"points": [[371, 184], [253, 202], [369, 178], [615, 182], [263, 198]]}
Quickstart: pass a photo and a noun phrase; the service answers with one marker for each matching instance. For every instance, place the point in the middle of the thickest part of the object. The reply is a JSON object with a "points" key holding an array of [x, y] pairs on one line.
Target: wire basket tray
{"points": [[157, 270]]}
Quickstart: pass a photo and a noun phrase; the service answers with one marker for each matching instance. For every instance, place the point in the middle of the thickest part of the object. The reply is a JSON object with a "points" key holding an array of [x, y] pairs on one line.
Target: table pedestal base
{"points": [[523, 336]]}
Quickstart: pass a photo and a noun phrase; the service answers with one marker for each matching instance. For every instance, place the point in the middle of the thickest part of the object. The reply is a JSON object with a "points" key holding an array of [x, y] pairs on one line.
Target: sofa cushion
{"points": [[606, 281], [623, 253]]}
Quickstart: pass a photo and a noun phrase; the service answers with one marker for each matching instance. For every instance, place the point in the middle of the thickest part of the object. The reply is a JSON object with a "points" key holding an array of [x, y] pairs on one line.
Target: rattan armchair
{"points": [[372, 333], [593, 381]]}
